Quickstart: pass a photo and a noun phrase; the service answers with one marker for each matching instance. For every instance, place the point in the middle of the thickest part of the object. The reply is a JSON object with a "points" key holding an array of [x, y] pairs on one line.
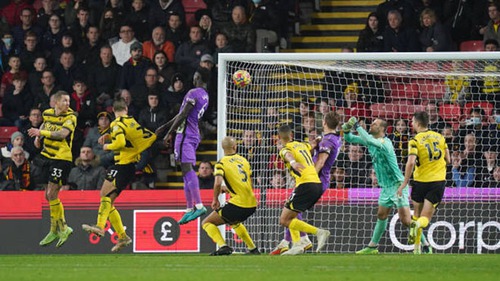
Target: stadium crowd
{"points": [[146, 51]]}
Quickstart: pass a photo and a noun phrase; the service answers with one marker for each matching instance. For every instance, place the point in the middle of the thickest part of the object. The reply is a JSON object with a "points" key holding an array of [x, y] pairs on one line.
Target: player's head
{"points": [[285, 133], [201, 77], [331, 120], [120, 106], [378, 127], [229, 145], [61, 100], [420, 120]]}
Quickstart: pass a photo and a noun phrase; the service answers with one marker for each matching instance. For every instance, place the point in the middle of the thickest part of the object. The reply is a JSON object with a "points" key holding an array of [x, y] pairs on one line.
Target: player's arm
{"points": [[118, 142], [447, 156], [320, 162], [287, 156], [55, 135], [217, 192], [179, 118], [348, 136], [368, 139], [410, 165]]}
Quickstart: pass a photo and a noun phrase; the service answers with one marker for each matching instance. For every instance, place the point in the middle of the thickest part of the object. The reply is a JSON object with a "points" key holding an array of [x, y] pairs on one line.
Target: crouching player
{"points": [[235, 171]]}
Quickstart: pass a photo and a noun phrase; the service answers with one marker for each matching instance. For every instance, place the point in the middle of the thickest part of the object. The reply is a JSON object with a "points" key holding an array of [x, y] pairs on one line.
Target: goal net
{"points": [[461, 93]]}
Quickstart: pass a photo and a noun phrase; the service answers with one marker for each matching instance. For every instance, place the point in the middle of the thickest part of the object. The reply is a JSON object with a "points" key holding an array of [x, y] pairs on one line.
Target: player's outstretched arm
{"points": [[180, 118]]}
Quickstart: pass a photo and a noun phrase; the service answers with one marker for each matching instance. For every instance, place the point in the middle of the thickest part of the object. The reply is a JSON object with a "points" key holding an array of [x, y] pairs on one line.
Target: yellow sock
{"points": [[54, 214], [419, 236], [104, 210], [423, 222], [242, 232], [302, 226], [214, 233], [295, 235], [116, 221], [414, 218], [62, 218]]}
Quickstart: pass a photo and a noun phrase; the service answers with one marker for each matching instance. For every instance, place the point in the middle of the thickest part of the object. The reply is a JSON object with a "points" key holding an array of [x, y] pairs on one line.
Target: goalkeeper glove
{"points": [[353, 122]]}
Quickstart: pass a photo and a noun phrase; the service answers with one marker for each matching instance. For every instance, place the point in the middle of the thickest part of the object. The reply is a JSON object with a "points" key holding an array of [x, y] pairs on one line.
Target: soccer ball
{"points": [[241, 78]]}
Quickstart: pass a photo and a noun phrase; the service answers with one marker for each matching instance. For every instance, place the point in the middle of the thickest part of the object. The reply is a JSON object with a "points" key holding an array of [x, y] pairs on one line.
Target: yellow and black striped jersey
{"points": [[302, 154], [430, 148], [237, 173], [58, 149], [129, 139]]}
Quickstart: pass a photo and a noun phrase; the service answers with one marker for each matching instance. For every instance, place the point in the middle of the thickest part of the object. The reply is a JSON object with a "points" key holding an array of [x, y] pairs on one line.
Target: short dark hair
{"points": [[119, 105], [207, 162], [284, 129], [422, 118], [491, 41], [332, 119]]}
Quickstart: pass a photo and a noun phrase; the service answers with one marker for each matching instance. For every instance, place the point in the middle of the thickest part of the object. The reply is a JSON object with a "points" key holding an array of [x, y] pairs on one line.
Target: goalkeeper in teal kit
{"points": [[388, 174]]}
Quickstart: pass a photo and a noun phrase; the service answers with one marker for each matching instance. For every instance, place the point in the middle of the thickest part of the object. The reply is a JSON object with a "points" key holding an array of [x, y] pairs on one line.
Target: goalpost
{"points": [[392, 86]]}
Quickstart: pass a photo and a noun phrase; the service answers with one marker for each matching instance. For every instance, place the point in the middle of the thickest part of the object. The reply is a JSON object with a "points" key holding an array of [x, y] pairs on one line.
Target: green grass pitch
{"points": [[306, 267]]}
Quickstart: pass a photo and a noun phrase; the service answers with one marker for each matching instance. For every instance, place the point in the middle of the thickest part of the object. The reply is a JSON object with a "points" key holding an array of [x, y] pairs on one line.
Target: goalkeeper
{"points": [[388, 174]]}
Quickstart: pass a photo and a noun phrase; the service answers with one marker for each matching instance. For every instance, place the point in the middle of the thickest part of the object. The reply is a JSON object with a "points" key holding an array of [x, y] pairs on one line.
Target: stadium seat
{"points": [[450, 112], [5, 133], [406, 109], [486, 106], [466, 66], [431, 90], [384, 110], [393, 69], [190, 7], [402, 91], [472, 46], [425, 66], [360, 110]]}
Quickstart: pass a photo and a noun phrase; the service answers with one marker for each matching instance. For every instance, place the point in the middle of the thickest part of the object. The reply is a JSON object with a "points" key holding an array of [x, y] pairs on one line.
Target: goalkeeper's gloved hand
{"points": [[346, 128], [353, 122]]}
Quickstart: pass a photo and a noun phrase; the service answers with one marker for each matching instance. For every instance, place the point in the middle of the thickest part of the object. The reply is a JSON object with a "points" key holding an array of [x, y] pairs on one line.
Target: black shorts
{"points": [[121, 175], [432, 191], [54, 171], [304, 197], [233, 214]]}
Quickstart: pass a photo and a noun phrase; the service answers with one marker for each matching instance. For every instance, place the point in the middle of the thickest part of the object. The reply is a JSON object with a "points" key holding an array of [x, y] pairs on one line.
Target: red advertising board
{"points": [[157, 231]]}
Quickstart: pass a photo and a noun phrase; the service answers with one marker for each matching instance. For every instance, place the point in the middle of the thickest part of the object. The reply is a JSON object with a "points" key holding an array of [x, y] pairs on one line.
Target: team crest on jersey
{"points": [[116, 127]]}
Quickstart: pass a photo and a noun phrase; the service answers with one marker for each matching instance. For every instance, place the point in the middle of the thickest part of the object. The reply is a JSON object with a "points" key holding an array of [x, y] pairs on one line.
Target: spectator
{"points": [[398, 37], [339, 177], [322, 109], [490, 162], [35, 76], [105, 78], [67, 71], [6, 50], [53, 35], [476, 124], [304, 109], [80, 27], [372, 179], [404, 9], [148, 85], [83, 102], [221, 9], [153, 116], [240, 33], [67, 44], [208, 29], [17, 174], [109, 26], [278, 180], [466, 164], [165, 68], [491, 30], [252, 150], [303, 130], [491, 45], [161, 9], [357, 168], [496, 178], [457, 86], [206, 175], [189, 53], [221, 46], [127, 97], [15, 68], [134, 69], [434, 37], [159, 43], [176, 32], [106, 157], [16, 139], [27, 24], [436, 123], [371, 38], [88, 54], [121, 49], [87, 173], [139, 20], [71, 11], [487, 88], [35, 120], [118, 9], [45, 13], [266, 23], [31, 51], [400, 137], [48, 88], [12, 12], [17, 102]]}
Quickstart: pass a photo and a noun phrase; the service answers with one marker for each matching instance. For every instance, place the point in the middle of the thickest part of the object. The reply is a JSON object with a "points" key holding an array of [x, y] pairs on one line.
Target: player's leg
{"points": [[209, 224], [51, 195], [284, 244], [108, 194], [57, 178], [378, 231]]}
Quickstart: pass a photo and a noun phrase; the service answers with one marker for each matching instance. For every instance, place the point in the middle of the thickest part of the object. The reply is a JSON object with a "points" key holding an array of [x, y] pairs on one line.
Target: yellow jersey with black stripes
{"points": [[302, 154], [430, 148], [129, 139], [58, 149], [236, 172]]}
